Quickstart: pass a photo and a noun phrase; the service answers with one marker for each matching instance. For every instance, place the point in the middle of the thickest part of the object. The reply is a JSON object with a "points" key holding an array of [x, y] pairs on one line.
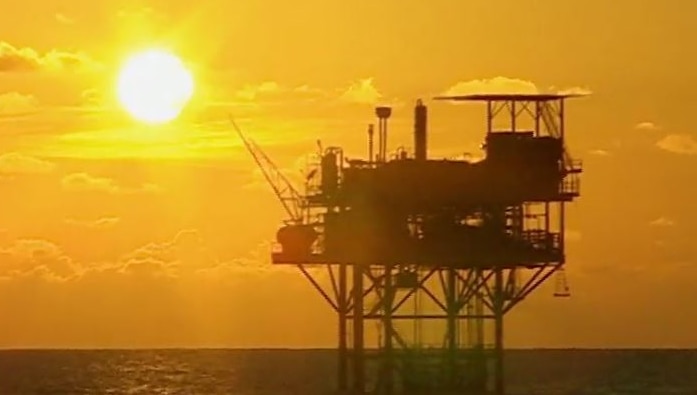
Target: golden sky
{"points": [[118, 234]]}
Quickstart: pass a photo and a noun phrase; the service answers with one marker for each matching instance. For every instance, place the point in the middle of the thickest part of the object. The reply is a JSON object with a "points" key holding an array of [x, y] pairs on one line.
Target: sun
{"points": [[154, 86]]}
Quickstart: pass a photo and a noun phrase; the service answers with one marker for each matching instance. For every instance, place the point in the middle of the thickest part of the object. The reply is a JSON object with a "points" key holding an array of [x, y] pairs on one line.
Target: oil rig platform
{"points": [[427, 255]]}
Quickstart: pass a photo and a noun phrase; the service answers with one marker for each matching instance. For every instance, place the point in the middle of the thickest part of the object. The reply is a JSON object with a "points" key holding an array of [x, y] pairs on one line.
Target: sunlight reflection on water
{"points": [[312, 372]]}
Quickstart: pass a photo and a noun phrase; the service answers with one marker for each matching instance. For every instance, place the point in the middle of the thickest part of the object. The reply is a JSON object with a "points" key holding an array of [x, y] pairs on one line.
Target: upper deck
{"points": [[517, 97]]}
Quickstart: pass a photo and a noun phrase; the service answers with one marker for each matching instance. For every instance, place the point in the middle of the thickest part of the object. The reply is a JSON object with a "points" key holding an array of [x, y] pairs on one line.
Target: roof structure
{"points": [[508, 97]]}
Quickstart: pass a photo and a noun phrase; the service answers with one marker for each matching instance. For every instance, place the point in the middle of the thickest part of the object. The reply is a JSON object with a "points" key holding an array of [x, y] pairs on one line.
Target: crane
{"points": [[289, 197]]}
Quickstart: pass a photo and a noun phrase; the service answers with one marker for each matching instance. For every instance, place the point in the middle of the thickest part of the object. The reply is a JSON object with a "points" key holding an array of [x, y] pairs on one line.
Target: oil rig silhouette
{"points": [[430, 254]]}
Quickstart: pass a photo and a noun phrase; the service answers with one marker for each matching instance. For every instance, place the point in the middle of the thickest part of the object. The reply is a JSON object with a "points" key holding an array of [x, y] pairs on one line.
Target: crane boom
{"points": [[289, 197]]}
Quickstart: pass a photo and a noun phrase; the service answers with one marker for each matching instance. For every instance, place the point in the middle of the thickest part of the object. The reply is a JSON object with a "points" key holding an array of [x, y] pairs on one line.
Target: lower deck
{"points": [[491, 260]]}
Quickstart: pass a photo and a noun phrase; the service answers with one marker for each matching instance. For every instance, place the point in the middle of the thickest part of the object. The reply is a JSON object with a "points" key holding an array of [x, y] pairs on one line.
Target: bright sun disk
{"points": [[154, 86]]}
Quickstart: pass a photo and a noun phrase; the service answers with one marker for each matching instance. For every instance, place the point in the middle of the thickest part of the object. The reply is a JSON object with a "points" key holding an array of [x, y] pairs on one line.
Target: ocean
{"points": [[312, 372]]}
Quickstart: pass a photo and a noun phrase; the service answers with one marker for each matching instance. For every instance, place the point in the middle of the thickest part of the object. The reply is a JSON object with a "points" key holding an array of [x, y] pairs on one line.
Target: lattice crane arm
{"points": [[289, 197]]}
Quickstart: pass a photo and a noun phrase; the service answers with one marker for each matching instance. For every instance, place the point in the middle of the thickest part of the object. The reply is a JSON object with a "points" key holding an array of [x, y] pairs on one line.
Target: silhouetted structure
{"points": [[433, 251]]}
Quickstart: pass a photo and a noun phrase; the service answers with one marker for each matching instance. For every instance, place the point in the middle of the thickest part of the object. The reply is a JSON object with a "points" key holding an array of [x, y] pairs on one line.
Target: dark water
{"points": [[259, 372]]}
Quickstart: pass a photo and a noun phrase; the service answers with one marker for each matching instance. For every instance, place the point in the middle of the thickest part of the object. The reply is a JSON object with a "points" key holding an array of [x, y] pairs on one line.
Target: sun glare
{"points": [[154, 86]]}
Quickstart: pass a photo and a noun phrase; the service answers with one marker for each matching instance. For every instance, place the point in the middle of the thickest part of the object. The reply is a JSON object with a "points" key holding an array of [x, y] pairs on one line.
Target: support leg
{"points": [[451, 304], [358, 350], [388, 297], [343, 349], [498, 328]]}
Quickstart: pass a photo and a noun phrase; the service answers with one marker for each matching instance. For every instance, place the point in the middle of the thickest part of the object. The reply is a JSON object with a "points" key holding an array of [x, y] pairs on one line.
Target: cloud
{"points": [[101, 223], [269, 92], [678, 144], [496, 85], [662, 222], [15, 103], [362, 91], [187, 255], [184, 257], [646, 126], [83, 182], [64, 19], [14, 163], [37, 258], [252, 92], [575, 91], [91, 97], [186, 252], [506, 85], [14, 59], [600, 152]]}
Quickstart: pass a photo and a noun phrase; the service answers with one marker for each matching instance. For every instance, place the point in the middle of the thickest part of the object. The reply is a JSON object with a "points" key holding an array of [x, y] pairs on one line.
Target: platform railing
{"points": [[571, 185], [573, 166], [538, 238]]}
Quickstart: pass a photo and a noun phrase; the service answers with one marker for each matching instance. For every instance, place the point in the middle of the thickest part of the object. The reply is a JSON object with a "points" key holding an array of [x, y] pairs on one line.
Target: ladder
{"points": [[561, 289]]}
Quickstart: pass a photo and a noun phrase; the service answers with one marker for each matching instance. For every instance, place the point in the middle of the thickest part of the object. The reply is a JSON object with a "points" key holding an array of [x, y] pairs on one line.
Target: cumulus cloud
{"points": [[83, 182], [15, 103], [36, 258], [496, 85], [646, 126], [185, 256], [91, 98], [15, 59], [678, 144], [574, 91], [100, 223], [14, 163], [362, 91], [662, 222], [600, 152], [186, 252], [270, 91], [253, 92], [64, 19], [506, 85], [86, 182]]}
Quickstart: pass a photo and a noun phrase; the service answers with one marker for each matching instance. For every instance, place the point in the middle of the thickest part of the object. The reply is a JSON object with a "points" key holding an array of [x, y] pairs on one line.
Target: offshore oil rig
{"points": [[428, 255]]}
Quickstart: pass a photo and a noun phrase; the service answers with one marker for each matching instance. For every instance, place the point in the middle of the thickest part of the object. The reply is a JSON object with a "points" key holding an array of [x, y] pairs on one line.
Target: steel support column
{"points": [[498, 304], [343, 347], [358, 338]]}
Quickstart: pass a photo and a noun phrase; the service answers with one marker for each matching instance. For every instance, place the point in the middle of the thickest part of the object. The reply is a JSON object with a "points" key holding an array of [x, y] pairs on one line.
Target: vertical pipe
{"points": [[547, 229], [380, 141], [384, 139], [381, 132], [514, 115], [562, 220], [481, 370], [537, 118], [343, 349], [498, 328], [388, 296], [451, 303], [489, 117], [371, 133], [420, 131], [358, 351], [562, 232]]}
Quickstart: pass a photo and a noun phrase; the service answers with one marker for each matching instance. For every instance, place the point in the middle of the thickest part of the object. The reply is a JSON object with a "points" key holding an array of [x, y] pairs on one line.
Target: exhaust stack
{"points": [[420, 131]]}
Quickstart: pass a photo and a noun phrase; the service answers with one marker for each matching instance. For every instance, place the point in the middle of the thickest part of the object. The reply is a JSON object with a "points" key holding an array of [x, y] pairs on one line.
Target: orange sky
{"points": [[114, 234]]}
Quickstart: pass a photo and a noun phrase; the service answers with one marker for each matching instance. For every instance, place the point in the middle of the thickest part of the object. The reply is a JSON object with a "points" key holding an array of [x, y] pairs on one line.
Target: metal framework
{"points": [[425, 257]]}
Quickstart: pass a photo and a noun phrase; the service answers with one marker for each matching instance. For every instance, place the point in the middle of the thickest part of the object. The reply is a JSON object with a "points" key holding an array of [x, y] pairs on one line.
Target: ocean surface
{"points": [[310, 372]]}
